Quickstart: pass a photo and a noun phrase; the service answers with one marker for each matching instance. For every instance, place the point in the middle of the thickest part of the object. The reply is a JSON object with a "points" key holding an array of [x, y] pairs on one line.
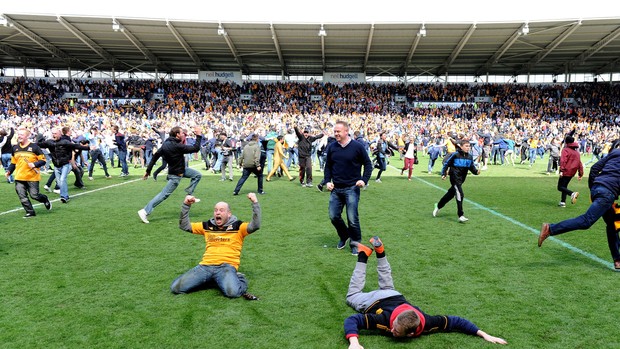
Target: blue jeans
{"points": [[173, 183], [122, 159], [269, 160], [225, 276], [349, 196], [6, 162], [61, 179], [111, 153], [292, 157], [602, 199], [532, 155]]}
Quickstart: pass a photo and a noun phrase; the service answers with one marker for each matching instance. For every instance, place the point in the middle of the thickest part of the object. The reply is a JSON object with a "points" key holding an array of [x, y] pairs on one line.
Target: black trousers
{"points": [[23, 189]]}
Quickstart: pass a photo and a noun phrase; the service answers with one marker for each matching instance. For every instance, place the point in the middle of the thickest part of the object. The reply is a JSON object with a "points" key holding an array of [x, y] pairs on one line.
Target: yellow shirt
{"points": [[222, 246], [22, 155]]}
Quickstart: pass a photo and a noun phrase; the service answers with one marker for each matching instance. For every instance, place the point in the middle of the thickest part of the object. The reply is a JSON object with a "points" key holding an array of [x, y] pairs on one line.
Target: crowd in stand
{"points": [[522, 117]]}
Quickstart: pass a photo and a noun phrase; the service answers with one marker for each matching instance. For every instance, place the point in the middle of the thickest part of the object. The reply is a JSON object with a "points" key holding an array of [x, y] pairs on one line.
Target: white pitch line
{"points": [[74, 195], [526, 227], [83, 193]]}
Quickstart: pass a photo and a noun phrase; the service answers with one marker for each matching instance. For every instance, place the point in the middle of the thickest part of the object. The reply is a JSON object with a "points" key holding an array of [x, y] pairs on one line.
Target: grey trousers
{"points": [[360, 301]]}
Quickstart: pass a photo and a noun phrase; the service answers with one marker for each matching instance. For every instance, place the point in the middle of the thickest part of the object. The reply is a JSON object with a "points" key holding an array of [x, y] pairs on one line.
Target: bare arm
{"points": [[487, 337], [354, 343]]}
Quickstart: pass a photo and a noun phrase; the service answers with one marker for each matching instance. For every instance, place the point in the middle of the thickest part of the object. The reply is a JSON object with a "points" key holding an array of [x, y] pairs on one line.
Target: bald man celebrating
{"points": [[224, 235]]}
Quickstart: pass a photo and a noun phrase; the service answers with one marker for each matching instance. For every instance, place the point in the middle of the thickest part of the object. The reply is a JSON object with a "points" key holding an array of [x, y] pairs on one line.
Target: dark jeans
{"points": [[97, 155], [382, 166], [601, 206], [122, 160], [338, 199], [246, 174], [563, 187], [23, 189], [305, 169]]}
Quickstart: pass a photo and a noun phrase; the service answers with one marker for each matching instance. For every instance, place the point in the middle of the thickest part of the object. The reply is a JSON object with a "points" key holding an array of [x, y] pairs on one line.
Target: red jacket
{"points": [[570, 161]]}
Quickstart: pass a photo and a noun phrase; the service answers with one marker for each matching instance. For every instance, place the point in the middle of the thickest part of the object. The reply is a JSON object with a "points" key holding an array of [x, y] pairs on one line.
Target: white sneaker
{"points": [[56, 191], [463, 219], [562, 204], [573, 197], [90, 178], [435, 211], [47, 188], [378, 180], [142, 214], [196, 200]]}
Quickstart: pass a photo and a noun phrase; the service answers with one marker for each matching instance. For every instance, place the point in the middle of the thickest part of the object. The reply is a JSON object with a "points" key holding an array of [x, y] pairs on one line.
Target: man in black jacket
{"points": [[304, 147], [61, 150], [173, 152]]}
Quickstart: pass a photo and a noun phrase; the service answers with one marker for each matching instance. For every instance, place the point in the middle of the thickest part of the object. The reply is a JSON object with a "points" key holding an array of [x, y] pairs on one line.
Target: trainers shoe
{"points": [[196, 200], [354, 250], [29, 215], [56, 191], [230, 179], [142, 214], [360, 248], [155, 177], [562, 204], [319, 187], [378, 180], [90, 178], [64, 200], [48, 205], [108, 177], [573, 197], [47, 188], [435, 210], [235, 193], [341, 244], [250, 296], [545, 232], [377, 244], [309, 185], [463, 219]]}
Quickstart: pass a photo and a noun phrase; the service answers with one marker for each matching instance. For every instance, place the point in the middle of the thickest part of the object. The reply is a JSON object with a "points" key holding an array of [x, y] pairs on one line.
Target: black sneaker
{"points": [[341, 244], [319, 187], [250, 296], [235, 193], [64, 200], [48, 205]]}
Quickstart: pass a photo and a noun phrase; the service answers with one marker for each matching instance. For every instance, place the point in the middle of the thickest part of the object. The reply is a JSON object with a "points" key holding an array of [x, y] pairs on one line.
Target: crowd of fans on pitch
{"points": [[521, 113]]}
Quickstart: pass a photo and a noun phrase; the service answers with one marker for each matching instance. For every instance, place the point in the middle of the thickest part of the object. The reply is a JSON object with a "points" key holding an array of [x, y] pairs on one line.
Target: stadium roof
{"points": [[377, 49]]}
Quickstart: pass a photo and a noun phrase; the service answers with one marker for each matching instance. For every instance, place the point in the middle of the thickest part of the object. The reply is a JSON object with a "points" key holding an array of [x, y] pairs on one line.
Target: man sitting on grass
{"points": [[387, 310], [224, 235]]}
